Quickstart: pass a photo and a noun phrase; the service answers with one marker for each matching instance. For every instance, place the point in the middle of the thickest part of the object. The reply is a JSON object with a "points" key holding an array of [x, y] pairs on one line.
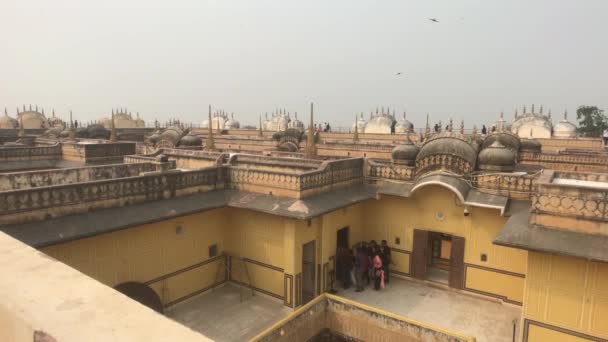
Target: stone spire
{"points": [[427, 129], [113, 137], [474, 131], [5, 112], [462, 126], [533, 108], [450, 125], [311, 149], [72, 128], [515, 113], [541, 109], [549, 114], [209, 143], [356, 134], [565, 114], [260, 131], [524, 111]]}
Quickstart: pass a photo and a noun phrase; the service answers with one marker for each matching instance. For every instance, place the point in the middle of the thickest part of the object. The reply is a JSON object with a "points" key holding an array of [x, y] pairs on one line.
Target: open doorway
{"points": [[438, 260], [342, 238], [308, 272], [438, 257]]}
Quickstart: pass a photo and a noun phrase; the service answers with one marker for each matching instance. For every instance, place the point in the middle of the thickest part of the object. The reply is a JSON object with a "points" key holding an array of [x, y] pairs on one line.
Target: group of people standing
{"points": [[369, 263]]}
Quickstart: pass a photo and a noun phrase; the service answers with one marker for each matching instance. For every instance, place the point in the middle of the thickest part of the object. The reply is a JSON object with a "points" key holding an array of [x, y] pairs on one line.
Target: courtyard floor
{"points": [[221, 316], [486, 320]]}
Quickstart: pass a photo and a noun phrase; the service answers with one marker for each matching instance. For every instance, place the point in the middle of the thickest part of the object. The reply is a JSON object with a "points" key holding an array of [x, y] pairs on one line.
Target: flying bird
{"points": [[434, 20], [399, 73]]}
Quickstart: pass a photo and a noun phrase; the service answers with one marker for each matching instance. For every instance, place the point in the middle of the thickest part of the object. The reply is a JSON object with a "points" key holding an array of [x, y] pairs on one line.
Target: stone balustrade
{"points": [[390, 171], [330, 174], [51, 201], [519, 186], [567, 160], [580, 201], [30, 152], [34, 179]]}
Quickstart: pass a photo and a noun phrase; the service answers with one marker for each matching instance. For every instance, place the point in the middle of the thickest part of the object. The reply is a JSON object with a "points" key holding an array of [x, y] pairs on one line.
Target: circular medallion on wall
{"points": [[439, 216]]}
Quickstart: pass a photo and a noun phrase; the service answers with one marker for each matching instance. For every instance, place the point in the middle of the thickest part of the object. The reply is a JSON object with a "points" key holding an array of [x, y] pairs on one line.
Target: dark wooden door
{"points": [[419, 253], [308, 272], [457, 263], [342, 238]]}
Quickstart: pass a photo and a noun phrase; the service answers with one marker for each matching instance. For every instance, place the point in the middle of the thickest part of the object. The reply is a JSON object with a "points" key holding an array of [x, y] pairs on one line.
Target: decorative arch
{"points": [[459, 187], [141, 293]]}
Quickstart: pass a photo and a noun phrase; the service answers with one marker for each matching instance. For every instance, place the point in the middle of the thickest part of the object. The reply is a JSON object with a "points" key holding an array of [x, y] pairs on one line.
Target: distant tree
{"points": [[591, 121]]}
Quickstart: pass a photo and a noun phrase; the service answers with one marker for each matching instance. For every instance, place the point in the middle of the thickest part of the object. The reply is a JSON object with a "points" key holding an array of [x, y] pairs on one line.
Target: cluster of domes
{"points": [[31, 118], [383, 122], [220, 120], [538, 125], [122, 119], [280, 120], [455, 152]]}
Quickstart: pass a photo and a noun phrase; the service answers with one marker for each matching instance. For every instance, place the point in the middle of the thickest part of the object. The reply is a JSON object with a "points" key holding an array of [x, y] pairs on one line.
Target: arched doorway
{"points": [[141, 293]]}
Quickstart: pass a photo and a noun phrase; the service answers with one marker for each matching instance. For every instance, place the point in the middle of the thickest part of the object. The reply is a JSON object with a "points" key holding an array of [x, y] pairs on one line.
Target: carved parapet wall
{"points": [[96, 152], [52, 152], [390, 171], [346, 149], [587, 161], [35, 179], [446, 162], [519, 186], [353, 321], [330, 175], [578, 143], [53, 201], [571, 201]]}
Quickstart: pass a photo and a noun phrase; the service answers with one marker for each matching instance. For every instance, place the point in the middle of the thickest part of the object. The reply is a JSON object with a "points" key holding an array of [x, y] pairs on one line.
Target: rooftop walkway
{"points": [[486, 320]]}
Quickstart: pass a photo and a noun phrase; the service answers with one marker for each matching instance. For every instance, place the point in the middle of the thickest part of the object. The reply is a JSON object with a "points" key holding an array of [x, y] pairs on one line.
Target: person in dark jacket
{"points": [[385, 255], [361, 267]]}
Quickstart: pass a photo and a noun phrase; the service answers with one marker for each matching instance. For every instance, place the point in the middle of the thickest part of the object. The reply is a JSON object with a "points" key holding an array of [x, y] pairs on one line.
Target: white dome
{"points": [[532, 125], [7, 122], [379, 124], [564, 128], [404, 126]]}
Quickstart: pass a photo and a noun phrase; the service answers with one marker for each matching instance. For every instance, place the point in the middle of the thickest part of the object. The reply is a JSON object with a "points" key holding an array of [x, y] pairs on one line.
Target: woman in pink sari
{"points": [[378, 273]]}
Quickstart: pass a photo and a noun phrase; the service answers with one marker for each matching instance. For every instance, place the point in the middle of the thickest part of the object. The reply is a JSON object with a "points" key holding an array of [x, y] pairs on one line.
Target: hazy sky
{"points": [[173, 58]]}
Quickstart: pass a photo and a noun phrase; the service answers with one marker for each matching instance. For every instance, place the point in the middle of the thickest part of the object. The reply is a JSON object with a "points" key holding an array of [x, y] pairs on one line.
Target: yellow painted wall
{"points": [[150, 251], [436, 208], [567, 292], [257, 236]]}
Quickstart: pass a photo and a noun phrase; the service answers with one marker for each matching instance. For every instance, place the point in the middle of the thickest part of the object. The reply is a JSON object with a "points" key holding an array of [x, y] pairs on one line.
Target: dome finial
{"points": [[533, 108], [474, 130], [549, 114], [450, 125], [53, 114], [5, 112], [462, 126], [404, 114], [541, 109], [565, 115], [524, 111], [515, 113], [30, 107], [502, 115], [36, 107]]}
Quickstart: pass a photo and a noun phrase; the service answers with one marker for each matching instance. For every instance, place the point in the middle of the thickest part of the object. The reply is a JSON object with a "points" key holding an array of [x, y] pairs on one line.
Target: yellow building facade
{"points": [[174, 257]]}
